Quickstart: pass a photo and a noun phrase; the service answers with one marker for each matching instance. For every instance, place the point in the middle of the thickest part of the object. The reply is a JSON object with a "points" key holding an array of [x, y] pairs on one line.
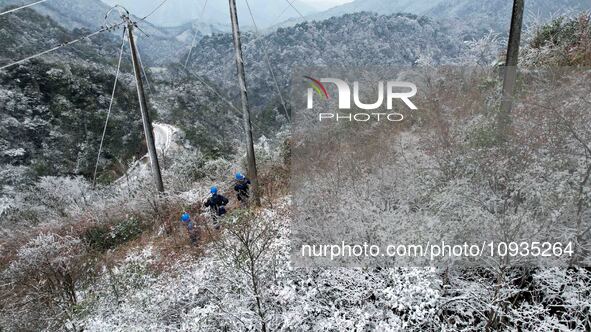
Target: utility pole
{"points": [[250, 156], [510, 72], [148, 131]]}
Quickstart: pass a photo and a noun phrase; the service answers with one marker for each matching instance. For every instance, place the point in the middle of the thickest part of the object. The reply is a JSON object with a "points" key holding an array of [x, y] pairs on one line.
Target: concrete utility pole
{"points": [[510, 74], [148, 131], [252, 166]]}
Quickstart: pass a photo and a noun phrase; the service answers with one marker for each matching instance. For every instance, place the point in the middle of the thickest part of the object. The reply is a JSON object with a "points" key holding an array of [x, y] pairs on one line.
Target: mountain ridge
{"points": [[160, 45], [353, 39], [215, 14], [483, 15]]}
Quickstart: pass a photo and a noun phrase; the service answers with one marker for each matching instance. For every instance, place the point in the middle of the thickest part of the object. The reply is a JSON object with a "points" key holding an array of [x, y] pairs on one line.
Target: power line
{"points": [[294, 8], [195, 35], [222, 97], [139, 56], [154, 10], [214, 90], [110, 107], [138, 52], [277, 20], [256, 29], [283, 11], [60, 46], [22, 7]]}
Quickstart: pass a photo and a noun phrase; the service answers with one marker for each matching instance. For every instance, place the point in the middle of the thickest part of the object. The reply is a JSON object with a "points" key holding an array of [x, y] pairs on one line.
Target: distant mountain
{"points": [[69, 13], [161, 46], [482, 15], [360, 39], [496, 14], [216, 14], [384, 7]]}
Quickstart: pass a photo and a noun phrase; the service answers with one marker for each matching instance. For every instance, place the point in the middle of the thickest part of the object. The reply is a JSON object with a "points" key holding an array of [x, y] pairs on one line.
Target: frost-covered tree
{"points": [[40, 286]]}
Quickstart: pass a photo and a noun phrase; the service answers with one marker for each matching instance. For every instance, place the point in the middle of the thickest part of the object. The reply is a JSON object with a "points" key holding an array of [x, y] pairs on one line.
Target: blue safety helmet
{"points": [[185, 217], [214, 190], [239, 176]]}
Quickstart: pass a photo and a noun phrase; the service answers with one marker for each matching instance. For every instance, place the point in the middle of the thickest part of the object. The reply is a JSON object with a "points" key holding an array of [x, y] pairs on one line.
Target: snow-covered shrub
{"points": [[246, 280], [566, 41], [548, 299], [246, 252], [186, 168], [109, 235], [483, 51], [61, 196], [217, 169], [40, 286], [263, 151], [563, 295]]}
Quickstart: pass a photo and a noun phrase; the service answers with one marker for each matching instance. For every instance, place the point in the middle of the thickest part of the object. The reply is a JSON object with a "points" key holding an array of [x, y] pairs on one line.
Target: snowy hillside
{"points": [[351, 40], [160, 47], [42, 104], [203, 255], [478, 15]]}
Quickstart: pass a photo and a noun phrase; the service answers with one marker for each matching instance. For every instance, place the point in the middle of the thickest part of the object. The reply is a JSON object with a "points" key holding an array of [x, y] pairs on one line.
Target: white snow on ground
{"points": [[165, 137]]}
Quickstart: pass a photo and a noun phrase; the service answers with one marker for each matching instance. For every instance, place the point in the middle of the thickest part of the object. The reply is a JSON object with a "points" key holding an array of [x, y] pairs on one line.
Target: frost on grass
{"points": [[219, 291]]}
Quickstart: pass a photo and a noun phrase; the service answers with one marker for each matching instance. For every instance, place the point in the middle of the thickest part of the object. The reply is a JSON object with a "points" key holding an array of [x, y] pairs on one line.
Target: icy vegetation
{"points": [[162, 45], [116, 258], [395, 40]]}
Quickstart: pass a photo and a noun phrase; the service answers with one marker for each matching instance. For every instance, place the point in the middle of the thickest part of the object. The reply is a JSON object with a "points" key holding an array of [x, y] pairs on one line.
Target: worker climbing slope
{"points": [[216, 203], [186, 219], [241, 186]]}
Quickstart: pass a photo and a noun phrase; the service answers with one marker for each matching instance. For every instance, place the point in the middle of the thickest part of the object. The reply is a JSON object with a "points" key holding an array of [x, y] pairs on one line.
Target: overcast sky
{"points": [[325, 4]]}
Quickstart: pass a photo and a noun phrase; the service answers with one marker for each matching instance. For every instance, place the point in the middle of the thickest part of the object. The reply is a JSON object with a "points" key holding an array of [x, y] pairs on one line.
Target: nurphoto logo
{"points": [[393, 90]]}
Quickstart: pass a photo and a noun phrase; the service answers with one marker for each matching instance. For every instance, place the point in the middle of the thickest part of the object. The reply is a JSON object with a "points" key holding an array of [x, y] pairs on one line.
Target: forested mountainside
{"points": [[28, 31], [116, 257], [360, 39], [71, 14], [382, 7], [476, 16], [495, 15], [53, 109], [160, 45], [194, 105], [123, 261]]}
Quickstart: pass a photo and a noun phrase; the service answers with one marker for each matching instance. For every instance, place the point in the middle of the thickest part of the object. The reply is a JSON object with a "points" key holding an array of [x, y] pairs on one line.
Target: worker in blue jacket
{"points": [[241, 186], [216, 202], [186, 219]]}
